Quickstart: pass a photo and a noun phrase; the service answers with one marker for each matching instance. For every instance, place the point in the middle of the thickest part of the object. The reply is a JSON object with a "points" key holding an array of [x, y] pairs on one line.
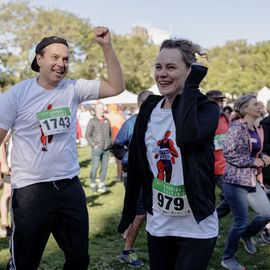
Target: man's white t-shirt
{"points": [[36, 157], [172, 215]]}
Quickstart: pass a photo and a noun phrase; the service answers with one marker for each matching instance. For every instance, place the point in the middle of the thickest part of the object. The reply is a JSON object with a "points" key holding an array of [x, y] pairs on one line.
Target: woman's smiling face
{"points": [[170, 72]]}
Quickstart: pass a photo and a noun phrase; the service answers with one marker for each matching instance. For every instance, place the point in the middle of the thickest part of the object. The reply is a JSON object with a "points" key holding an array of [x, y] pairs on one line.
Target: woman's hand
{"points": [[258, 162], [266, 160]]}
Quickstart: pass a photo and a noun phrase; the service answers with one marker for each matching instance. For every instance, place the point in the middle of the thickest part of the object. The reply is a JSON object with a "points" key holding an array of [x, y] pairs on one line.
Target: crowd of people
{"points": [[171, 156]]}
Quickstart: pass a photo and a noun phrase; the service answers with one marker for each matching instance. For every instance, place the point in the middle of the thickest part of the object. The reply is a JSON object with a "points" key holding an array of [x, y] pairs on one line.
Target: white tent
{"points": [[263, 95], [154, 89], [125, 97]]}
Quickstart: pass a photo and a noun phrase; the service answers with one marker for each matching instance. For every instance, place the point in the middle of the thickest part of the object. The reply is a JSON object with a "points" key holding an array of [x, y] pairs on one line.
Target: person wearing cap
{"points": [[223, 124], [41, 113]]}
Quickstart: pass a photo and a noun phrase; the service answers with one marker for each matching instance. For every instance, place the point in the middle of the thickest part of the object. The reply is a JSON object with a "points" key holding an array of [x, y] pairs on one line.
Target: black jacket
{"points": [[265, 123], [196, 119]]}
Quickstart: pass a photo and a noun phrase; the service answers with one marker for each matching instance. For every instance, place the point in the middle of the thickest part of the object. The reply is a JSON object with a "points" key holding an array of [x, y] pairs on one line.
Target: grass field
{"points": [[105, 243]]}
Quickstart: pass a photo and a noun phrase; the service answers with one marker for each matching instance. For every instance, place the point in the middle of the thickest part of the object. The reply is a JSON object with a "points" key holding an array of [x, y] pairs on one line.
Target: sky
{"points": [[207, 22]]}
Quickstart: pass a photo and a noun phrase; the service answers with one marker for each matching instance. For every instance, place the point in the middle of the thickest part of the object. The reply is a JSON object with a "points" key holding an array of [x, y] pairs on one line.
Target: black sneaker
{"points": [[248, 245], [9, 231]]}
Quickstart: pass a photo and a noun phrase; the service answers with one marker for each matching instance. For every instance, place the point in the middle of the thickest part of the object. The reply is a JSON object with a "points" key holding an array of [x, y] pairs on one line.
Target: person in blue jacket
{"points": [[122, 142]]}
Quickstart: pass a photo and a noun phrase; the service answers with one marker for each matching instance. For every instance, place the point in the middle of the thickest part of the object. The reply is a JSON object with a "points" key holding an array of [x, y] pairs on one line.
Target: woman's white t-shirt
{"points": [[172, 215]]}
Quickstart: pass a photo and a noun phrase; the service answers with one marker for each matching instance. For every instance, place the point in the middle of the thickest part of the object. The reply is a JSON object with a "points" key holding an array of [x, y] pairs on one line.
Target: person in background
{"points": [[116, 117], [223, 125], [181, 223], [242, 180], [47, 196], [120, 151], [262, 114], [220, 163], [84, 116], [78, 132], [5, 148], [227, 110], [99, 136]]}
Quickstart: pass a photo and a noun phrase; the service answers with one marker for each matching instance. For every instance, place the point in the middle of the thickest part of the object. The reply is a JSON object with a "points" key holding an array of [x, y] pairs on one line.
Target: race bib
{"points": [[170, 199], [219, 141], [55, 121]]}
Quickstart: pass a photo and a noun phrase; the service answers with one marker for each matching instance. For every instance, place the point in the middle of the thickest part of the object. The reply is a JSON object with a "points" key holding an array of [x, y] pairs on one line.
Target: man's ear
{"points": [[38, 58]]}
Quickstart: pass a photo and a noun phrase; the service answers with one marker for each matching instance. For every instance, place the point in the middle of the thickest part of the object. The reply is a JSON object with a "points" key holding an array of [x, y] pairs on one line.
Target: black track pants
{"points": [[57, 207]]}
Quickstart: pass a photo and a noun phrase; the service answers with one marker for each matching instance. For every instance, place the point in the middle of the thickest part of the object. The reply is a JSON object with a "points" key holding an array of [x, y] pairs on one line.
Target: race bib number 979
{"points": [[170, 199], [55, 121]]}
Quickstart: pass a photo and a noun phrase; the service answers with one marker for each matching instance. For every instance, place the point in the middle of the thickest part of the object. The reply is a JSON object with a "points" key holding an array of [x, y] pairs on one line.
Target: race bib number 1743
{"points": [[55, 121]]}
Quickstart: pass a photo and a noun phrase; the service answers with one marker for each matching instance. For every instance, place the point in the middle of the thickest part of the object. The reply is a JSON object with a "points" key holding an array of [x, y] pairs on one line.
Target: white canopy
{"points": [[263, 95], [154, 89], [125, 97]]}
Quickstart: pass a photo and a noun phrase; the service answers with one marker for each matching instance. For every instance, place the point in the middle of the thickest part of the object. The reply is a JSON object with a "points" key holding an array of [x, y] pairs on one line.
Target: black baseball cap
{"points": [[44, 43], [215, 94]]}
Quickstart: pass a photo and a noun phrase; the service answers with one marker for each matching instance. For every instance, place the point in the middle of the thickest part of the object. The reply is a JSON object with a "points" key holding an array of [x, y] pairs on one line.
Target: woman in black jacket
{"points": [[171, 158]]}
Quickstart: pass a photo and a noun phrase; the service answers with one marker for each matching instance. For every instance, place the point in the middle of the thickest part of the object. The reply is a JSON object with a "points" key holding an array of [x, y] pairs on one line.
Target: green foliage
{"points": [[238, 68], [137, 59]]}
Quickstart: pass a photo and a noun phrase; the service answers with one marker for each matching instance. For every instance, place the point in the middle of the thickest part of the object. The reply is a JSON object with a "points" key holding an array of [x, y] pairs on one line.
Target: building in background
{"points": [[152, 34]]}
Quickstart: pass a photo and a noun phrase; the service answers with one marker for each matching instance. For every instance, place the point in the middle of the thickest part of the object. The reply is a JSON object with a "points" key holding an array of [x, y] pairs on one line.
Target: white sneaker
{"points": [[93, 187], [101, 188], [3, 232]]}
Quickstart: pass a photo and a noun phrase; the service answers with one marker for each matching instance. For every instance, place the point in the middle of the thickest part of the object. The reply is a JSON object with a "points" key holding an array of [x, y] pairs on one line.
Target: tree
{"points": [[137, 58], [238, 68], [24, 26]]}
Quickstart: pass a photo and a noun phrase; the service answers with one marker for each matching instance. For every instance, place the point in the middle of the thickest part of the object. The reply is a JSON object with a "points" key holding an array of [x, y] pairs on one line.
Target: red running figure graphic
{"points": [[167, 154], [43, 138]]}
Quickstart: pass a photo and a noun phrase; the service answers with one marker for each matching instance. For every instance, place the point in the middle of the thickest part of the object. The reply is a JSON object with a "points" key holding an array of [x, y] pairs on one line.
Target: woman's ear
{"points": [[244, 111]]}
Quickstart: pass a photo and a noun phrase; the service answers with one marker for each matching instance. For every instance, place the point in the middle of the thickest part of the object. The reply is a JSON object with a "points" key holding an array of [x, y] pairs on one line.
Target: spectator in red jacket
{"points": [[220, 162]]}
